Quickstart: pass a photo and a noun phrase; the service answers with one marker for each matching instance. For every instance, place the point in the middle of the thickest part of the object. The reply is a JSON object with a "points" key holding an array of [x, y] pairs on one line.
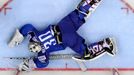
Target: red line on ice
{"points": [[5, 5], [129, 6], [71, 69]]}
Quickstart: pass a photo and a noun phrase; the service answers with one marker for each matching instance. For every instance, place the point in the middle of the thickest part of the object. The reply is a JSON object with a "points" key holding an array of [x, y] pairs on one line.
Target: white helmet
{"points": [[34, 47]]}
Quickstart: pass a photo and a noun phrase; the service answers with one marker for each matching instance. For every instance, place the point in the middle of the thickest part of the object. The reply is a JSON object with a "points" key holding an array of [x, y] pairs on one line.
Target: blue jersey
{"points": [[47, 40], [68, 27]]}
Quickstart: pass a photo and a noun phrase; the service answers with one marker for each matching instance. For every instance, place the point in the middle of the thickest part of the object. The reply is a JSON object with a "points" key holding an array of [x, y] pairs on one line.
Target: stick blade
{"points": [[81, 64], [18, 72]]}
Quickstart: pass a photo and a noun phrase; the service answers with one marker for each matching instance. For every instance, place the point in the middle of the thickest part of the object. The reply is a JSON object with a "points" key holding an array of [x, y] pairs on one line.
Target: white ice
{"points": [[107, 21]]}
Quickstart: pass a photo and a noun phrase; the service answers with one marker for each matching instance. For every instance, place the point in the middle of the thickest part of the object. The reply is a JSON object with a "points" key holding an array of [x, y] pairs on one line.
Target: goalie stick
{"points": [[18, 72], [52, 57], [55, 57], [115, 71]]}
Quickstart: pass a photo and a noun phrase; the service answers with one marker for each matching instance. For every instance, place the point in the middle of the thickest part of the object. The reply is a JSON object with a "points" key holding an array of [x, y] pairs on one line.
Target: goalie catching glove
{"points": [[27, 65]]}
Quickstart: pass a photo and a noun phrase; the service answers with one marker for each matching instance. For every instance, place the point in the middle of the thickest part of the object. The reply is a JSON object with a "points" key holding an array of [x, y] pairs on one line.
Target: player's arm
{"points": [[30, 64], [41, 61], [27, 65], [19, 35]]}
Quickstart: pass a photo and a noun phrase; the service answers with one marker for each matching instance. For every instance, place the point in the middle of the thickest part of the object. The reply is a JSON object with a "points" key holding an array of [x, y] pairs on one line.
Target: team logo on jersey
{"points": [[42, 58], [4, 5], [129, 5]]}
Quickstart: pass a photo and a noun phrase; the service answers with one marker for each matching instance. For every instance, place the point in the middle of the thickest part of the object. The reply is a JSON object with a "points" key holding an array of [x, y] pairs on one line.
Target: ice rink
{"points": [[113, 18]]}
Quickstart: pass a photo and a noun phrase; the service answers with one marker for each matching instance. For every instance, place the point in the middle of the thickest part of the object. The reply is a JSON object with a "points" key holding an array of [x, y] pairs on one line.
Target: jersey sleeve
{"points": [[26, 29], [42, 60]]}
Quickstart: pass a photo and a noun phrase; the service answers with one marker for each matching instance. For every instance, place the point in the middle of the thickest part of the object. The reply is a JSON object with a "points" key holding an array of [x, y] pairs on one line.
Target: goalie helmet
{"points": [[34, 47]]}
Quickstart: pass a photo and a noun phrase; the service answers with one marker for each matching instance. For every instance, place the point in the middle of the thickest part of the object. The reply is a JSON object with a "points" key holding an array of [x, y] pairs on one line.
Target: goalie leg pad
{"points": [[97, 49]]}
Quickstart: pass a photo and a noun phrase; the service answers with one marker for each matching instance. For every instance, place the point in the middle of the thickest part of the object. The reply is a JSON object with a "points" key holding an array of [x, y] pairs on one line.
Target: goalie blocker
{"points": [[16, 39]]}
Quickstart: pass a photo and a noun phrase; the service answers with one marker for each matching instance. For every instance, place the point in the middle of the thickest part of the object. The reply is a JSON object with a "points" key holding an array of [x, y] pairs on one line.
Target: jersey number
{"points": [[48, 38]]}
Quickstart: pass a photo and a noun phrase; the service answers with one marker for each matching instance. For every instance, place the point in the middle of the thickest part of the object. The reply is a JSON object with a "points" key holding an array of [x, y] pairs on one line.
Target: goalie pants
{"points": [[68, 27]]}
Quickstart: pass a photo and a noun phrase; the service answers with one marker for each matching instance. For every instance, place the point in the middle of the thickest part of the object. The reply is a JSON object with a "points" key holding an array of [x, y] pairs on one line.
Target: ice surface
{"points": [[107, 21]]}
